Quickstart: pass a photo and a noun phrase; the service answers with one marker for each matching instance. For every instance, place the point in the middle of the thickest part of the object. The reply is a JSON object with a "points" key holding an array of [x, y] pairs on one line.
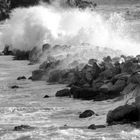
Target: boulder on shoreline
{"points": [[93, 81], [93, 126], [63, 93], [23, 128], [21, 78], [38, 75], [46, 96], [20, 54], [32, 55], [7, 50], [87, 113], [123, 114], [14, 87], [83, 93]]}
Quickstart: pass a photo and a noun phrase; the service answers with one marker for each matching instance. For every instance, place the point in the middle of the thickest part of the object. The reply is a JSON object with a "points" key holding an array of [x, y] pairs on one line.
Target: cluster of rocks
{"points": [[32, 55], [23, 128], [106, 80], [98, 81], [111, 78]]}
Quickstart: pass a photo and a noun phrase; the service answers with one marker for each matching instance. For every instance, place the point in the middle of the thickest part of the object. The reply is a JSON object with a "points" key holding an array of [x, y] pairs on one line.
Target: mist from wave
{"points": [[34, 26]]}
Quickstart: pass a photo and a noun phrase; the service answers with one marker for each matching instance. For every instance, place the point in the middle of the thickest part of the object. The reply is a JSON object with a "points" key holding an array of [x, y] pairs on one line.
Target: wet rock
{"points": [[30, 78], [90, 71], [118, 86], [129, 88], [7, 50], [34, 55], [106, 87], [135, 78], [61, 76], [14, 87], [93, 126], [96, 84], [23, 128], [108, 73], [63, 93], [128, 67], [49, 64], [21, 78], [46, 96], [123, 114], [46, 47], [21, 54], [122, 76], [83, 93], [38, 75], [55, 76], [87, 113]]}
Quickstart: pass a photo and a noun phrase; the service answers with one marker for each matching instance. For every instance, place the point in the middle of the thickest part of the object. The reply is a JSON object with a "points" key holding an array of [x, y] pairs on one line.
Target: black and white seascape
{"points": [[69, 70]]}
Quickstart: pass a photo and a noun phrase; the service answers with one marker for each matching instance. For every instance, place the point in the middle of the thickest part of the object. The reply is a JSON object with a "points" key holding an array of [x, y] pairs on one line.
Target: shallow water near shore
{"points": [[53, 118]]}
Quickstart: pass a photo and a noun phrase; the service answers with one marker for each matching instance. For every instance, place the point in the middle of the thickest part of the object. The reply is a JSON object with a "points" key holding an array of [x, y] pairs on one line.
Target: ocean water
{"points": [[58, 118], [53, 118]]}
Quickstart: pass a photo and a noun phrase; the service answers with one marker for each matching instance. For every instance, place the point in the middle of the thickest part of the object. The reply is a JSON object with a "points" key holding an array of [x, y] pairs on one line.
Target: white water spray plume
{"points": [[34, 26]]}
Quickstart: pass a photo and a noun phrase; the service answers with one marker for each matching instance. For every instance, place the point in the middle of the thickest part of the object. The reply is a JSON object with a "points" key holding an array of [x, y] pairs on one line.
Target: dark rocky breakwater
{"points": [[112, 78]]}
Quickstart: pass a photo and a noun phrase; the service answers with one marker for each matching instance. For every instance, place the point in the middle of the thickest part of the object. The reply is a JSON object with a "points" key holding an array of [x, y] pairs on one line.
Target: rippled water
{"points": [[53, 118]]}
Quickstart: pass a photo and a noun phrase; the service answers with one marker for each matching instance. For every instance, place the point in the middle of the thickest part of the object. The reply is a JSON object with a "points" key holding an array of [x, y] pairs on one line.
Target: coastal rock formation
{"points": [[14, 87], [83, 93], [21, 78], [63, 93], [23, 128], [93, 126], [46, 96], [123, 114], [37, 75], [98, 81], [87, 113], [20, 54], [34, 55], [7, 50], [130, 112]]}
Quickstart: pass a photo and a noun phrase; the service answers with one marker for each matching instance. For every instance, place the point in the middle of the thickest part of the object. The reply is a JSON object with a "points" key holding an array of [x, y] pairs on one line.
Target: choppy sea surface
{"points": [[53, 118], [56, 118]]}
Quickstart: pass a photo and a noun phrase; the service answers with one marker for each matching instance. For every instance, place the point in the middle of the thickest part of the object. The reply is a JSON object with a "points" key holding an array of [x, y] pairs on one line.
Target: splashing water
{"points": [[33, 26]]}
